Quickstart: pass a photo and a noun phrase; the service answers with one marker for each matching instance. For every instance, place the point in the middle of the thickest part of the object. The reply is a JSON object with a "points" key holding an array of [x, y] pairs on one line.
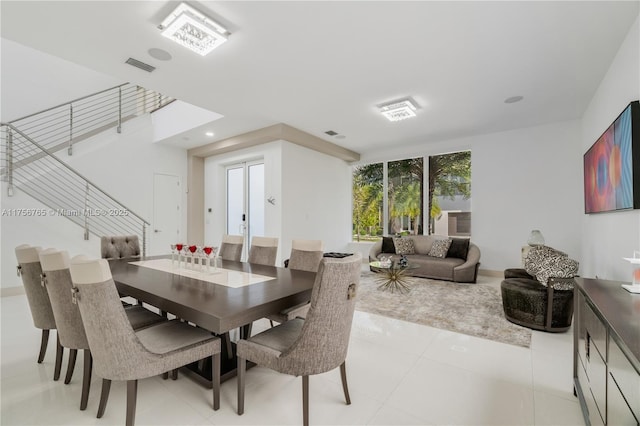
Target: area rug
{"points": [[472, 309]]}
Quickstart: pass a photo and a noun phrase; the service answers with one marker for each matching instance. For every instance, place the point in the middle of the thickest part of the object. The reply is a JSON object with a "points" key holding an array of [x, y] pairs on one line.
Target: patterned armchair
{"points": [[540, 296]]}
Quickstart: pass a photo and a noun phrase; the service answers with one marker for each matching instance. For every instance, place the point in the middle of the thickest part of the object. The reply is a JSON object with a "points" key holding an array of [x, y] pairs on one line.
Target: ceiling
{"points": [[320, 66]]}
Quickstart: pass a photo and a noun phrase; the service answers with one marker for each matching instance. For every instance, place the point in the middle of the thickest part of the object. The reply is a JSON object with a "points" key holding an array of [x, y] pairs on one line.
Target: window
{"points": [[405, 195], [450, 194], [367, 202], [389, 197]]}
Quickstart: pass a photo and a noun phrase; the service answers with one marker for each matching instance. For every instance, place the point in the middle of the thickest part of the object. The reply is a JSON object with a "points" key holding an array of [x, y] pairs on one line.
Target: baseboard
{"points": [[491, 273], [11, 291]]}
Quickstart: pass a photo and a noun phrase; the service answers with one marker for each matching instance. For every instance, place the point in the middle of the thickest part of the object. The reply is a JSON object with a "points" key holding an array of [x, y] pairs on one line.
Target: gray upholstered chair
{"points": [[263, 251], [39, 304], [119, 352], [231, 247], [317, 344], [119, 247], [57, 281], [306, 255]]}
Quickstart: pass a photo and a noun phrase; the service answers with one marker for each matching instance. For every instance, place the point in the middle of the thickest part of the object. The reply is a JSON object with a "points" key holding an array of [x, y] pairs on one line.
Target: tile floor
{"points": [[399, 374]]}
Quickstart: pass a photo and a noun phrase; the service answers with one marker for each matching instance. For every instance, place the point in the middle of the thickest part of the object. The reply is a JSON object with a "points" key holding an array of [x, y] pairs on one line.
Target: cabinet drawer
{"points": [[585, 386], [618, 412], [626, 378], [597, 374], [596, 331]]}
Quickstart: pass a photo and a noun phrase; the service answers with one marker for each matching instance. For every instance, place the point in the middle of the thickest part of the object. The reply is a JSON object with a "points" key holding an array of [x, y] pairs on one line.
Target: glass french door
{"points": [[245, 201]]}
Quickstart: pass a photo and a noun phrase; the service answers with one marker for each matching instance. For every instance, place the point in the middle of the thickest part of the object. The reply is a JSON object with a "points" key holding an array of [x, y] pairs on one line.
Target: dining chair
{"points": [[263, 251], [119, 246], [39, 304], [56, 278], [315, 345], [306, 255], [119, 352], [231, 247]]}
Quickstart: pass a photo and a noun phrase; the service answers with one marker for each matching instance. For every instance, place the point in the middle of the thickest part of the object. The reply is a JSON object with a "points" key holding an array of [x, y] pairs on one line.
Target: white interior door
{"points": [[165, 229], [245, 201]]}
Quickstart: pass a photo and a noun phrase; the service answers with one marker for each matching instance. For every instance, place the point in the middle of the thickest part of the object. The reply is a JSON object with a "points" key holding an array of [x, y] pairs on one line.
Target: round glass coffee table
{"points": [[393, 276]]}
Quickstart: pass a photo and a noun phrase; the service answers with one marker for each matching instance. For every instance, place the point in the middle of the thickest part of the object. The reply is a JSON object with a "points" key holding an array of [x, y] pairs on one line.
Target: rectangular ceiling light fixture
{"points": [[399, 110], [193, 30]]}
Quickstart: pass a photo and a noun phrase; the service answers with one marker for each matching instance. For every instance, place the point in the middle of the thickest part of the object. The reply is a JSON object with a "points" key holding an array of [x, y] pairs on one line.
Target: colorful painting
{"points": [[608, 168]]}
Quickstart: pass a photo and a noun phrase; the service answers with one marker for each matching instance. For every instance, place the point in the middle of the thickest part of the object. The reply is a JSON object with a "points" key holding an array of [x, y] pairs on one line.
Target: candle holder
{"points": [[173, 255], [208, 251], [200, 255], [192, 250], [179, 247]]}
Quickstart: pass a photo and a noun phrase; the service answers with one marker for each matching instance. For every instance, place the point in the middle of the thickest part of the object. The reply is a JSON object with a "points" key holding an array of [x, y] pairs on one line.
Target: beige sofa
{"points": [[448, 268]]}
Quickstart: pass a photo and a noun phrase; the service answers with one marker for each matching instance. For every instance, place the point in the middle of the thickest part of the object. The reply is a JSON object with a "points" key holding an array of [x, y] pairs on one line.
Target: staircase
{"points": [[29, 163]]}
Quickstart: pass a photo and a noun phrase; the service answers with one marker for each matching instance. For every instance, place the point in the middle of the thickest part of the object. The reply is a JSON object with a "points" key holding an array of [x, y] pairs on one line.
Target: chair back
{"points": [[231, 247], [117, 352], [57, 281], [323, 342], [30, 271], [306, 255], [119, 247], [264, 251]]}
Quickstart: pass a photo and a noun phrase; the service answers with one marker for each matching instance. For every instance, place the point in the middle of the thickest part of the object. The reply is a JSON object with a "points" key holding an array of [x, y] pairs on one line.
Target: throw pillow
{"points": [[404, 246], [387, 245], [440, 248], [459, 248]]}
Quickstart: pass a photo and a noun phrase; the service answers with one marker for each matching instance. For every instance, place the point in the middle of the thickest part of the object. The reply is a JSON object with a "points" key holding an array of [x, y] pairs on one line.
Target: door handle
{"points": [[157, 230]]}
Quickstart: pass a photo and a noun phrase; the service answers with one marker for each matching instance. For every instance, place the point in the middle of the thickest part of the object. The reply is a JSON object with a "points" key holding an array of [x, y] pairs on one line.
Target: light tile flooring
{"points": [[399, 373]]}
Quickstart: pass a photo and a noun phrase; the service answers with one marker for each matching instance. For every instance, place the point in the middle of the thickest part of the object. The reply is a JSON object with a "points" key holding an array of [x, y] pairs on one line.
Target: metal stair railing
{"points": [[63, 190], [64, 125], [28, 158]]}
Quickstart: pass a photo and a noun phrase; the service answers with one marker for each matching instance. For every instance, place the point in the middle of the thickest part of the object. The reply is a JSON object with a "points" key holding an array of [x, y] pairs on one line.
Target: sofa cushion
{"points": [[544, 262], [387, 245], [404, 245], [433, 267], [459, 248], [421, 243], [439, 248]]}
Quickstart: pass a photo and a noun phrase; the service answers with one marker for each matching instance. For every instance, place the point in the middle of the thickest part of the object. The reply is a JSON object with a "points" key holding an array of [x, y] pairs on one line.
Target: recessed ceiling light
{"points": [[193, 30], [513, 99], [159, 54], [209, 134], [399, 110]]}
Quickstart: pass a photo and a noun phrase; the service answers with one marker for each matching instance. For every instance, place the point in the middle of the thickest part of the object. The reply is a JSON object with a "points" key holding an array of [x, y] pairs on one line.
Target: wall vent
{"points": [[139, 64]]}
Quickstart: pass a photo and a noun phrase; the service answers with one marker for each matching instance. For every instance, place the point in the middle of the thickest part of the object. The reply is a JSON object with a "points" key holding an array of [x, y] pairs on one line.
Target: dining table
{"points": [[219, 298]]}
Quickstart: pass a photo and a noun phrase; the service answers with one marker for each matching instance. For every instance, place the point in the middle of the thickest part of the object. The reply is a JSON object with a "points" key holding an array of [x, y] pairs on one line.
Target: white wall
{"points": [[312, 194], [215, 190], [33, 81], [608, 237], [121, 164], [520, 180], [316, 198], [178, 117]]}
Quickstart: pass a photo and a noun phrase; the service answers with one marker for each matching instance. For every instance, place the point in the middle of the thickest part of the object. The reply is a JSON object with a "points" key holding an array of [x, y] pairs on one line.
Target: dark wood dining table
{"points": [[214, 307]]}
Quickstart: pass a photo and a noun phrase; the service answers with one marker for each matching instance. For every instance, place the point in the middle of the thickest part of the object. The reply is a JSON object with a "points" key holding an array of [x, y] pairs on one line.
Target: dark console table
{"points": [[606, 352]]}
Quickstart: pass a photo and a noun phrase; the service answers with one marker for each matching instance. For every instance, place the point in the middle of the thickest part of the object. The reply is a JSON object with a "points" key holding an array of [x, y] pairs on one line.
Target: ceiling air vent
{"points": [[139, 64]]}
